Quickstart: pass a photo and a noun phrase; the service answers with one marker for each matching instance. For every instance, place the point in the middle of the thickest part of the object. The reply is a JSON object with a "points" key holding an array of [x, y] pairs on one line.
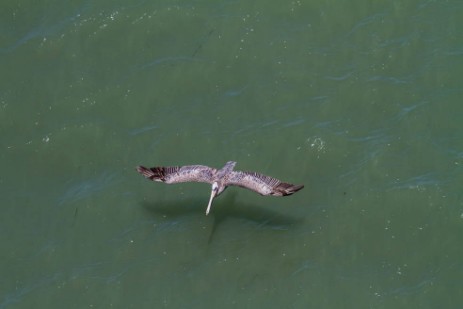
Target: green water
{"points": [[360, 101]]}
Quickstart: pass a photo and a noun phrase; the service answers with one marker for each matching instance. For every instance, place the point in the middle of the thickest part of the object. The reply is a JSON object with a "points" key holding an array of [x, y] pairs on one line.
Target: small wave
{"points": [[293, 123], [173, 60], [43, 30], [88, 187], [340, 77], [389, 79], [142, 130], [419, 182], [20, 292]]}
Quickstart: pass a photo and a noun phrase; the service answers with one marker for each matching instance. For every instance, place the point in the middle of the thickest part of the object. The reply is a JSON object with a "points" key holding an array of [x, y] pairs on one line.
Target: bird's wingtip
{"points": [[285, 189], [293, 189], [148, 173], [140, 169]]}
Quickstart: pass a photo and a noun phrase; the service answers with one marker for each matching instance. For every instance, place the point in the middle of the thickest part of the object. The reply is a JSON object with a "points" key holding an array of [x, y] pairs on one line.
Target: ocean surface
{"points": [[360, 101]]}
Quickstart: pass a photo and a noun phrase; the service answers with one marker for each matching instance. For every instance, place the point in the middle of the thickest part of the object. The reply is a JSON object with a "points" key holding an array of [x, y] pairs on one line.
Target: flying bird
{"points": [[220, 179]]}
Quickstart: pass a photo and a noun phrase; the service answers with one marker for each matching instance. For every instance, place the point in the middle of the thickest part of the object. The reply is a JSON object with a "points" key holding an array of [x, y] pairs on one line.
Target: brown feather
{"points": [[262, 184], [176, 174], [220, 179]]}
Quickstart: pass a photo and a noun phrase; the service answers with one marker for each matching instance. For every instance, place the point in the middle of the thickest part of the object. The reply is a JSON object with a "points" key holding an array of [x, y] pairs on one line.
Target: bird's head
{"points": [[215, 191], [215, 187]]}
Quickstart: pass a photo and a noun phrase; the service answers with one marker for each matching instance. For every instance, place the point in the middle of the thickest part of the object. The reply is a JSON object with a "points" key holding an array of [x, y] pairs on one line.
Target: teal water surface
{"points": [[359, 101]]}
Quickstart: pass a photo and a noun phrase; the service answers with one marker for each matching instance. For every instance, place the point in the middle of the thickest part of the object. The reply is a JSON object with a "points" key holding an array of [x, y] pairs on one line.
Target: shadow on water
{"points": [[223, 209]]}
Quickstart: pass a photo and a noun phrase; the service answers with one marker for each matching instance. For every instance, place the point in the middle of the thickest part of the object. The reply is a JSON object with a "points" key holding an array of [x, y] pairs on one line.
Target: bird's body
{"points": [[220, 179]]}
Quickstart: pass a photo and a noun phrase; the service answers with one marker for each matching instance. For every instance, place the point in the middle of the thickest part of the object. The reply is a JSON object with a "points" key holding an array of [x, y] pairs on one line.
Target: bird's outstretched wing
{"points": [[175, 174], [261, 184]]}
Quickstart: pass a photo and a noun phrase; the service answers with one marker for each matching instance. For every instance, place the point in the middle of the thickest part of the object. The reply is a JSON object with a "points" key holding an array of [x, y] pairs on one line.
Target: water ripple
{"points": [[389, 79], [41, 31], [174, 60], [20, 292], [419, 182], [143, 129], [88, 187]]}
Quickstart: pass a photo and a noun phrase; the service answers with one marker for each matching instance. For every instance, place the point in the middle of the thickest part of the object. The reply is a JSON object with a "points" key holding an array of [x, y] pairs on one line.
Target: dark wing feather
{"points": [[175, 174], [261, 184]]}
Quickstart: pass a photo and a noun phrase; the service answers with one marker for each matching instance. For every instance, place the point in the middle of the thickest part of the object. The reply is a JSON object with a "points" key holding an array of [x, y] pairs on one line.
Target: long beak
{"points": [[210, 201]]}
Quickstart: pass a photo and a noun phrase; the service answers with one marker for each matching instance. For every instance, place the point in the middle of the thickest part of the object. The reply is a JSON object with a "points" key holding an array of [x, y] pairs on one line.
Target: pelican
{"points": [[220, 179]]}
